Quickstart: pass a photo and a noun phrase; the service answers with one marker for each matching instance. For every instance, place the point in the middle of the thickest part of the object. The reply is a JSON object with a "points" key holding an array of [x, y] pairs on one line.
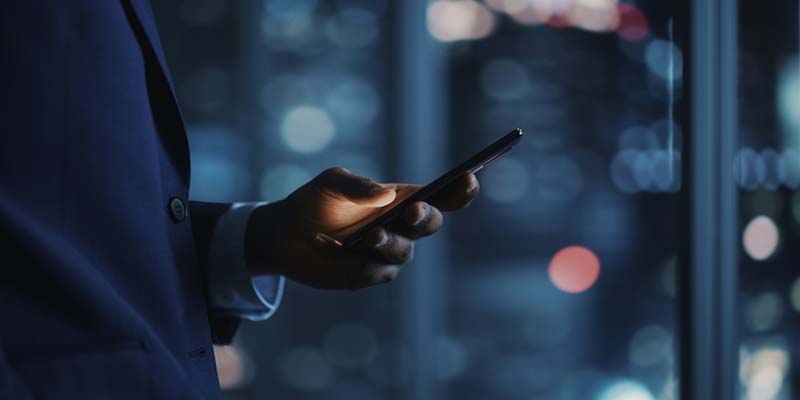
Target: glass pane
{"points": [[768, 173], [563, 280], [560, 279], [273, 93]]}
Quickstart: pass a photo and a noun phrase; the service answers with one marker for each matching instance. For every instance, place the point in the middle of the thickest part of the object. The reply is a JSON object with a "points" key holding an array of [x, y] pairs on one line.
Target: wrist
{"points": [[261, 239]]}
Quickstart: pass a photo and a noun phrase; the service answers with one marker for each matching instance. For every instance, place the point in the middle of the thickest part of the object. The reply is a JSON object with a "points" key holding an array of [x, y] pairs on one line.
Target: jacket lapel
{"points": [[144, 18]]}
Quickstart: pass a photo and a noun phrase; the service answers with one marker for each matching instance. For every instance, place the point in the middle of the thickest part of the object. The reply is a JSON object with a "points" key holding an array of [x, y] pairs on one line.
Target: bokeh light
{"points": [[353, 103], [290, 8], [760, 238], [451, 358], [774, 169], [594, 15], [633, 23], [353, 28], [794, 295], [791, 164], [667, 276], [625, 390], [763, 312], [305, 368], [295, 34], [307, 129], [634, 171], [650, 345], [233, 367], [638, 137], [350, 345], [623, 168], [664, 60], [450, 21], [789, 99], [507, 181], [574, 269], [763, 372], [749, 169], [670, 390]]}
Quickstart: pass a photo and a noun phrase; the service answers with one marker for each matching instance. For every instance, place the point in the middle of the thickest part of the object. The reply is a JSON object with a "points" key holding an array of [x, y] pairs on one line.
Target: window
{"points": [[643, 233]]}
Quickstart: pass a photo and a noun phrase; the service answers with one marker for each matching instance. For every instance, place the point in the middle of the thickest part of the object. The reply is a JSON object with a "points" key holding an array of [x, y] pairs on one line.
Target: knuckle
{"points": [[332, 171]]}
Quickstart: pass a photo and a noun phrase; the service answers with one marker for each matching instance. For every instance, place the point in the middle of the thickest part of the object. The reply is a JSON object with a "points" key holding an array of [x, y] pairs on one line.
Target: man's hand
{"points": [[300, 236]]}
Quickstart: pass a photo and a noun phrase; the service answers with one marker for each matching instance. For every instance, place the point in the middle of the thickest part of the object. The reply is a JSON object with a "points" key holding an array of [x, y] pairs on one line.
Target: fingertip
{"points": [[377, 237], [473, 186], [383, 197], [416, 213]]}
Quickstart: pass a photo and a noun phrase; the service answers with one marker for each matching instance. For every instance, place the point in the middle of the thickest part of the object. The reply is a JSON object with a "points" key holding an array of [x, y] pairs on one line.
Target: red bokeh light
{"points": [[633, 23], [574, 269]]}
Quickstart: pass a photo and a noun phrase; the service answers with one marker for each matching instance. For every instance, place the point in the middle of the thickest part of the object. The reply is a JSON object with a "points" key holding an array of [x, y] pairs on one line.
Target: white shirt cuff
{"points": [[232, 290]]}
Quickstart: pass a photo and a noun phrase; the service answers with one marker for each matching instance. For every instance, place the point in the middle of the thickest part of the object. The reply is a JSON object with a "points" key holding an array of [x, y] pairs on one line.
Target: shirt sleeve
{"points": [[232, 290]]}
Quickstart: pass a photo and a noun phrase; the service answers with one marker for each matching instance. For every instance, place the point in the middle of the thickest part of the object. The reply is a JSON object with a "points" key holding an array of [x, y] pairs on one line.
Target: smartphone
{"points": [[474, 164]]}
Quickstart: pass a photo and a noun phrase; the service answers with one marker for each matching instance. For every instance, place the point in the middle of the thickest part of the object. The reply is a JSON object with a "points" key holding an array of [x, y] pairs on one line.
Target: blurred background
{"points": [[560, 281]]}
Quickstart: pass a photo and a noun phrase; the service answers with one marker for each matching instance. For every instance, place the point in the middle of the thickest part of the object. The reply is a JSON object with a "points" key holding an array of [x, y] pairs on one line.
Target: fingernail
{"points": [[382, 238], [420, 216], [473, 185]]}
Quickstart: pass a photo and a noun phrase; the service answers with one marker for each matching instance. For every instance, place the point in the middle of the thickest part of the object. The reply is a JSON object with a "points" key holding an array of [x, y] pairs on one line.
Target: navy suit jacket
{"points": [[102, 294]]}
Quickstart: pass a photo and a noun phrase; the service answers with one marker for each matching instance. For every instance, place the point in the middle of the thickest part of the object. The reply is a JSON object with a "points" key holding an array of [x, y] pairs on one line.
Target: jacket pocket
{"points": [[107, 371]]}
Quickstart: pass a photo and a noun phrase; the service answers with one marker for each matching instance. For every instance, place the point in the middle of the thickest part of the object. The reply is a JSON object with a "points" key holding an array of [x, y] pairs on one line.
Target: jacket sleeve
{"points": [[10, 385], [233, 294]]}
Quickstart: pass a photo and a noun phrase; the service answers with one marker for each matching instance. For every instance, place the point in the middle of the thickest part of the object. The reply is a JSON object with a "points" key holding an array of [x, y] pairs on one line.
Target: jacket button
{"points": [[177, 209]]}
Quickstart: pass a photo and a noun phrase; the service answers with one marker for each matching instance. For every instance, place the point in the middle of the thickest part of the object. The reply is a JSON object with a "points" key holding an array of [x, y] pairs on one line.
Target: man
{"points": [[114, 284]]}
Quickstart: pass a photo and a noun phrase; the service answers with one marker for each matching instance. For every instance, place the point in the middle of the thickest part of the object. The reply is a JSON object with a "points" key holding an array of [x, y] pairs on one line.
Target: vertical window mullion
{"points": [[709, 334]]}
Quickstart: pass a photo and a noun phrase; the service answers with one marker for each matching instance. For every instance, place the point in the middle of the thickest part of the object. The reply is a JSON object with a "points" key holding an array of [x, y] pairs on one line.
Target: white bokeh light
{"points": [[626, 390], [450, 21], [762, 372], [760, 238], [307, 129]]}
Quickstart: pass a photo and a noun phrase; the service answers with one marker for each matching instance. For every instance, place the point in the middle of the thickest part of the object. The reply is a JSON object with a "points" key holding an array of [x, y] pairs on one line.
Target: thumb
{"points": [[343, 184]]}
